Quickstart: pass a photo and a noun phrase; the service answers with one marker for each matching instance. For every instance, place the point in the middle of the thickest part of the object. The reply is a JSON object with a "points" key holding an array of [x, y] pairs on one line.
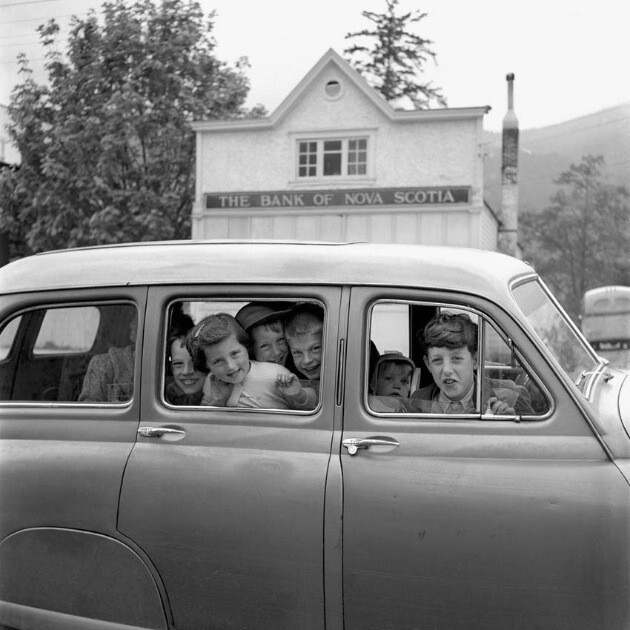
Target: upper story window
{"points": [[333, 157]]}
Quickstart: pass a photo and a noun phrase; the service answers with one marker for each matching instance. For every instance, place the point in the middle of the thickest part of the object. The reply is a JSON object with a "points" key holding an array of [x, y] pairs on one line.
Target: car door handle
{"points": [[159, 431], [354, 444]]}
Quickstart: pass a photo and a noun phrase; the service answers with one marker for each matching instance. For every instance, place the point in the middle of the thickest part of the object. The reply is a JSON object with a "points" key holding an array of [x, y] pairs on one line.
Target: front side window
{"points": [[244, 354], [70, 354], [553, 327], [437, 359], [334, 157]]}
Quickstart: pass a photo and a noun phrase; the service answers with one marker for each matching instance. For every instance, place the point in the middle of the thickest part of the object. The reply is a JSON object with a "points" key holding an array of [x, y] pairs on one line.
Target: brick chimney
{"points": [[508, 232]]}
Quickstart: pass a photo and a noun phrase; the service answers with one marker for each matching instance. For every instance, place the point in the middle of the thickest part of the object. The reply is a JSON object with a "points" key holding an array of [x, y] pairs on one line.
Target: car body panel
{"points": [[263, 519], [480, 524], [232, 511]]}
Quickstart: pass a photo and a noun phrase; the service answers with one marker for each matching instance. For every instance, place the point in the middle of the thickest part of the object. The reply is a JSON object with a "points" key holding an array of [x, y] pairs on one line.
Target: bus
{"points": [[606, 323]]}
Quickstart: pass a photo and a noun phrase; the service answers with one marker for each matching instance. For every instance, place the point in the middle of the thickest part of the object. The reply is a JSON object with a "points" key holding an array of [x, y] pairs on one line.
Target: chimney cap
{"points": [[509, 77]]}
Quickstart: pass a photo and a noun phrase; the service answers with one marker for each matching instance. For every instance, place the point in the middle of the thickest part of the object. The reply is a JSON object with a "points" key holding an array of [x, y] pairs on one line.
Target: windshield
{"points": [[555, 330]]}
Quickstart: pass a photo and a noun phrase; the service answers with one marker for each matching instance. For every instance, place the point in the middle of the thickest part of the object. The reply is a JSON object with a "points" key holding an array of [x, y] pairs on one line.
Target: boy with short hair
{"points": [[450, 353], [303, 331], [263, 322]]}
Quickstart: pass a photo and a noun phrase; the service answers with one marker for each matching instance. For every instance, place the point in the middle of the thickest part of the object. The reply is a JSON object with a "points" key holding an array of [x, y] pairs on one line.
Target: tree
{"points": [[397, 57], [107, 147], [582, 239]]}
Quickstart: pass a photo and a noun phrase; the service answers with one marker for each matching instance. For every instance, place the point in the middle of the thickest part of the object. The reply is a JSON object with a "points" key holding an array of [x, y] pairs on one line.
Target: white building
{"points": [[336, 162]]}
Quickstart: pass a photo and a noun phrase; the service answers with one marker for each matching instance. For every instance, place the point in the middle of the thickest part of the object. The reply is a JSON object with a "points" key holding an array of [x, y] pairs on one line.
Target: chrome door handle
{"points": [[159, 431], [354, 444]]}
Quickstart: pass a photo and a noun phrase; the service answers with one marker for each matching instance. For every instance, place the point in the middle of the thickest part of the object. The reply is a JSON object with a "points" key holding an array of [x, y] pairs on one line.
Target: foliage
{"points": [[107, 148], [397, 57], [581, 241]]}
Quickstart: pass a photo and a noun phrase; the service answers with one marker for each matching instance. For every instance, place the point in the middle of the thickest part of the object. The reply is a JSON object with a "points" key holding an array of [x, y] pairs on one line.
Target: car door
{"points": [[229, 503], [474, 522], [62, 460]]}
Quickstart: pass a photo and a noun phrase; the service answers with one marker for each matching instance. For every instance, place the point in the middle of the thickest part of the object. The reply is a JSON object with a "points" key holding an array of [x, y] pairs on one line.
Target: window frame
{"points": [[23, 335], [345, 137], [223, 297], [483, 317]]}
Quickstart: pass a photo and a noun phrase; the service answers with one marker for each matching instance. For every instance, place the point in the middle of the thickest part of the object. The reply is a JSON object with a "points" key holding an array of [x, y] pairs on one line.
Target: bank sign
{"points": [[353, 198]]}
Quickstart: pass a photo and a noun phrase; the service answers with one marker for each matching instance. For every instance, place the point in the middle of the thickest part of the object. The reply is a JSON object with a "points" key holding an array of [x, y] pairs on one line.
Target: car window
{"points": [[468, 367], [7, 337], [244, 353], [70, 354], [67, 330], [556, 331]]}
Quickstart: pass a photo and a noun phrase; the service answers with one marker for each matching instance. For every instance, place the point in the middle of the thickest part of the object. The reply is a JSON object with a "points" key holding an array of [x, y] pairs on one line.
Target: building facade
{"points": [[336, 162]]}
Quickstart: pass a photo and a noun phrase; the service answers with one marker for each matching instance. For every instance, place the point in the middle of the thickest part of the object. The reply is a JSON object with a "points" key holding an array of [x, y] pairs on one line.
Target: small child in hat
{"points": [[390, 383]]}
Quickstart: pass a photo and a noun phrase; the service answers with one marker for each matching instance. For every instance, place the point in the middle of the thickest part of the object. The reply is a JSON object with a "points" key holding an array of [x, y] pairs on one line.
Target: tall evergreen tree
{"points": [[106, 144], [394, 60], [581, 241]]}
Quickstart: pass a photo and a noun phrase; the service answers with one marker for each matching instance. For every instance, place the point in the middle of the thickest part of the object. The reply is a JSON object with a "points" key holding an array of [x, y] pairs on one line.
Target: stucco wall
{"points": [[420, 153], [433, 153]]}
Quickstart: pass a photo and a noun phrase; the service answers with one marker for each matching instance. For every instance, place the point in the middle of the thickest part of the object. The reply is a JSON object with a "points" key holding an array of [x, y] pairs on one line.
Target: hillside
{"points": [[547, 151]]}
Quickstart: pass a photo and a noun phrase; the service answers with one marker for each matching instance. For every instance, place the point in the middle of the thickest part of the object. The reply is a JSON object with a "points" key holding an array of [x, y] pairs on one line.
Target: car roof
{"points": [[278, 262]]}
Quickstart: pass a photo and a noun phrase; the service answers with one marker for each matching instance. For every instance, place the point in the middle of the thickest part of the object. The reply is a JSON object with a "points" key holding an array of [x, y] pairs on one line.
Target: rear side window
{"points": [[244, 354], [67, 330], [70, 353]]}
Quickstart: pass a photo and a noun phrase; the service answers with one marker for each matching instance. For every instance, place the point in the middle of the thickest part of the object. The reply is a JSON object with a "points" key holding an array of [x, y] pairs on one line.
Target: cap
{"points": [[258, 313]]}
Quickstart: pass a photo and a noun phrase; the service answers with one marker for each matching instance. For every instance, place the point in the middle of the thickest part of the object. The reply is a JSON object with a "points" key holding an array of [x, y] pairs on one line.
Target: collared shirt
{"points": [[465, 405]]}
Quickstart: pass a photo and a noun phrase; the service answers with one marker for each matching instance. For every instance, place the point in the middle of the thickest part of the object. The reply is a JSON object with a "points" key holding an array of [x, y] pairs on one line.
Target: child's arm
{"points": [[215, 392], [291, 389]]}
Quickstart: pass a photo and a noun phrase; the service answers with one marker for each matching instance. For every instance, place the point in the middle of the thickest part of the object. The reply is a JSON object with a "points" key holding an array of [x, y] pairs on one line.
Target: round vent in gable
{"points": [[333, 90]]}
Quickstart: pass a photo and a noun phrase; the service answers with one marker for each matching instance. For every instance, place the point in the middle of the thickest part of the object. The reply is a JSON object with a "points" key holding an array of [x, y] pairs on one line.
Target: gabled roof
{"points": [[333, 58]]}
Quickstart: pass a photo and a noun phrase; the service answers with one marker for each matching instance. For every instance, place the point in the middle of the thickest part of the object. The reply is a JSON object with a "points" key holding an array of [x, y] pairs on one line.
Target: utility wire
{"points": [[37, 19], [15, 4]]}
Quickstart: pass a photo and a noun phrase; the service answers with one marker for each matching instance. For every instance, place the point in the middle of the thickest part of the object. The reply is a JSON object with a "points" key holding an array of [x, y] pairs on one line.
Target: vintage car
{"points": [[122, 506]]}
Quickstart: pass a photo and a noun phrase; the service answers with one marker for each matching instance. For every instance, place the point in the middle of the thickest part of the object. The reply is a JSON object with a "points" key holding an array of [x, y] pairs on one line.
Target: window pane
{"points": [[391, 372], [425, 359], [67, 330], [7, 337], [507, 380], [332, 164], [78, 353], [332, 145], [307, 157], [553, 327], [357, 156], [285, 338]]}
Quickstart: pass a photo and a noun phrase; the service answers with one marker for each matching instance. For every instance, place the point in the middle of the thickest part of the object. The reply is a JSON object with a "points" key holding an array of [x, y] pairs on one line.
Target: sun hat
{"points": [[258, 313]]}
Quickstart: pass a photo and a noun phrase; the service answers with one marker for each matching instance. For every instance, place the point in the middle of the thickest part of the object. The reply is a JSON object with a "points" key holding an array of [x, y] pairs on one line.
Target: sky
{"points": [[570, 57]]}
